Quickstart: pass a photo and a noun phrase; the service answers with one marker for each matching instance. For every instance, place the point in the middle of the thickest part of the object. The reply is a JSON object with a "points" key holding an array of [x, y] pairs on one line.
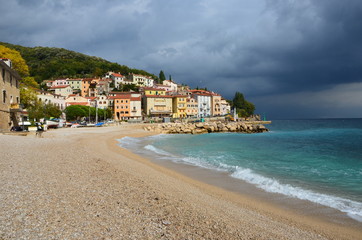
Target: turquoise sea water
{"points": [[315, 160]]}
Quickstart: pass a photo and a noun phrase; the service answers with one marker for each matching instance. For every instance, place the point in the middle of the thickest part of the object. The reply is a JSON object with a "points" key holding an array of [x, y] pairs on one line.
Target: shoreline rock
{"points": [[207, 127]]}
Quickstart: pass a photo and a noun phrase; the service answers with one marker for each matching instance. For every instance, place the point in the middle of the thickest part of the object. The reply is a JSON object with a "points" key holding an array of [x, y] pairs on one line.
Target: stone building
{"points": [[10, 95]]}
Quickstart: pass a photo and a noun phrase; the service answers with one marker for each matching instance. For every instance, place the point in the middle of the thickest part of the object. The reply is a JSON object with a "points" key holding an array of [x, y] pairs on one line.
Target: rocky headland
{"points": [[208, 127]]}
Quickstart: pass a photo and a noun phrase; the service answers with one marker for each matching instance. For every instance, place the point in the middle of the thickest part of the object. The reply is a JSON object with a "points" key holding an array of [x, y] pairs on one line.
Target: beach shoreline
{"points": [[163, 202]]}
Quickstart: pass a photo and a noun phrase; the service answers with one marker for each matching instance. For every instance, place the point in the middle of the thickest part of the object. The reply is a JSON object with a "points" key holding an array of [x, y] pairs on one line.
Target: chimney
{"points": [[7, 61]]}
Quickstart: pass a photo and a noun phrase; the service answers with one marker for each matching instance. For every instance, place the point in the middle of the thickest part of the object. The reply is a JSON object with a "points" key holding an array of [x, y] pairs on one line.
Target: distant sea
{"points": [[315, 160]]}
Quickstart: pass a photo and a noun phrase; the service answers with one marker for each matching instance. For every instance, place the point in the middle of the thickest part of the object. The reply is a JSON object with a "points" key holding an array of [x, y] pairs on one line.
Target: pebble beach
{"points": [[79, 184]]}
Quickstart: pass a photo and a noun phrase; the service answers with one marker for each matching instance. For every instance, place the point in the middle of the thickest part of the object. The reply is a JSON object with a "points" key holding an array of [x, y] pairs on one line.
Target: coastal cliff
{"points": [[208, 127]]}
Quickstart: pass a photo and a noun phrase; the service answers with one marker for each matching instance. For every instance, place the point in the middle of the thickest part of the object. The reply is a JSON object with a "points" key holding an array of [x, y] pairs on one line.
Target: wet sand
{"points": [[78, 184]]}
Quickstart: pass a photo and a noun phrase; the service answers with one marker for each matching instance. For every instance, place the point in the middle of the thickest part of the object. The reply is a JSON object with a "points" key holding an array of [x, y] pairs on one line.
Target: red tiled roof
{"points": [[78, 103], [184, 96], [204, 94], [159, 96], [120, 93], [63, 86], [117, 75], [120, 97], [153, 89], [135, 98]]}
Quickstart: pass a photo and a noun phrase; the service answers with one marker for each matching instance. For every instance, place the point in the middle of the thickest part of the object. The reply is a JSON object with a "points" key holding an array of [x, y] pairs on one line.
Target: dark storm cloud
{"points": [[278, 53]]}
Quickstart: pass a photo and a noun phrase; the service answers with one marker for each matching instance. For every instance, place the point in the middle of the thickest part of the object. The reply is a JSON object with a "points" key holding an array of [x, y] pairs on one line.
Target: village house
{"points": [[102, 101], [136, 106], [225, 107], [65, 90], [179, 106], [216, 104], [92, 101], [10, 95], [117, 79], [51, 98], [75, 99], [140, 80], [48, 83], [60, 82], [75, 84], [164, 87], [89, 87], [103, 86], [204, 101], [153, 91], [192, 107], [126, 105], [172, 85], [157, 105]]}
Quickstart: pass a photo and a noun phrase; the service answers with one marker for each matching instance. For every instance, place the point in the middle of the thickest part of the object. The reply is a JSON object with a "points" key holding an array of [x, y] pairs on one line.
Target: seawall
{"points": [[209, 127]]}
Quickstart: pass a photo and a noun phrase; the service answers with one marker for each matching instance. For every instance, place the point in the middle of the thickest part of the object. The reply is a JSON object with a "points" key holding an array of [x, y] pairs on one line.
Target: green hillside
{"points": [[50, 63]]}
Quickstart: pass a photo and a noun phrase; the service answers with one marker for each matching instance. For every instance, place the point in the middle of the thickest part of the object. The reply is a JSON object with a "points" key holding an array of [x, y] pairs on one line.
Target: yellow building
{"points": [[154, 91], [216, 104], [157, 105], [179, 106]]}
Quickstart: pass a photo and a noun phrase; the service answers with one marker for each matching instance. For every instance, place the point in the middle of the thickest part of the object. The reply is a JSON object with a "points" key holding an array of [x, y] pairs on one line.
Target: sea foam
{"points": [[351, 208]]}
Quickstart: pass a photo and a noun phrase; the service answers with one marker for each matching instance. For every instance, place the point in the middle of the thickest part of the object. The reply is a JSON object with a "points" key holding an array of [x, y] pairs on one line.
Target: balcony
{"points": [[160, 111], [15, 107]]}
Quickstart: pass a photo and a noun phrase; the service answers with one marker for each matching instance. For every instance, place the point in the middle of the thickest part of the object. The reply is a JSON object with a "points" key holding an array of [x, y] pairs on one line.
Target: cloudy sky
{"points": [[292, 58]]}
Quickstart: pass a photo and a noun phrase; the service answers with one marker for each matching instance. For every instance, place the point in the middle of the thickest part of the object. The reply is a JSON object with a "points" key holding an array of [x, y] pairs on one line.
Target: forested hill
{"points": [[50, 63]]}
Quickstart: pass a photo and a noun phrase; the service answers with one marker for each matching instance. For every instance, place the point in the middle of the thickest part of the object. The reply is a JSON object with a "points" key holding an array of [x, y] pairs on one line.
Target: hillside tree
{"points": [[162, 76]]}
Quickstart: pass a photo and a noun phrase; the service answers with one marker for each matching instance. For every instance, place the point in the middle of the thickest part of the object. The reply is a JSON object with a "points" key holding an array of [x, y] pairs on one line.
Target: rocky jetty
{"points": [[207, 127]]}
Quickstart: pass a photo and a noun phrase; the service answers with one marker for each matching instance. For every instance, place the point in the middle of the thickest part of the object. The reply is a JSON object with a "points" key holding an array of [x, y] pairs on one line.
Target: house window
{"points": [[4, 75], [4, 96]]}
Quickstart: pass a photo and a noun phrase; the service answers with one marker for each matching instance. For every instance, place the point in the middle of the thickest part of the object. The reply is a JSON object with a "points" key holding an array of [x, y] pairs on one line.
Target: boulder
{"points": [[199, 125], [187, 130], [220, 126], [242, 126]]}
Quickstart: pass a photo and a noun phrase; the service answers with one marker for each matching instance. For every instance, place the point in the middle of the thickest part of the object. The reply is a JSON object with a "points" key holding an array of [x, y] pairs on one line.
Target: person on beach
{"points": [[39, 129]]}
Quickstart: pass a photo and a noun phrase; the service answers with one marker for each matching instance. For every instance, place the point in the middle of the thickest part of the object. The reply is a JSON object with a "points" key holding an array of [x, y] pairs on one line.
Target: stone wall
{"points": [[207, 127]]}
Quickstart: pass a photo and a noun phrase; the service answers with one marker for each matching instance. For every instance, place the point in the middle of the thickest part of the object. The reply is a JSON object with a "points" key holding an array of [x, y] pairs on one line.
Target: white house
{"points": [[172, 85], [60, 82], [64, 90], [140, 80], [51, 98], [204, 101], [117, 79], [135, 106], [225, 107], [102, 101]]}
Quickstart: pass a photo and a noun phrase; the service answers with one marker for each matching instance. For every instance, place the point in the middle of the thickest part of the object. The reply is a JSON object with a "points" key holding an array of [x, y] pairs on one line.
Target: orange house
{"points": [[122, 106]]}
